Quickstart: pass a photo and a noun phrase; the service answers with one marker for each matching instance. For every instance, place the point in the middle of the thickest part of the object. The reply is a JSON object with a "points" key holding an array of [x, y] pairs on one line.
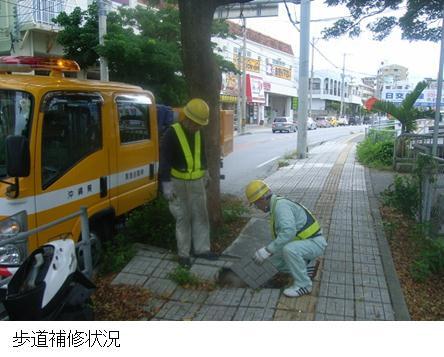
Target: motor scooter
{"points": [[49, 286]]}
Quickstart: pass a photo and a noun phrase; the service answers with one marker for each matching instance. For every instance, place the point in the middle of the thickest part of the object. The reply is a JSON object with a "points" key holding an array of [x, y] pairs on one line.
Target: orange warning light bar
{"points": [[29, 63]]}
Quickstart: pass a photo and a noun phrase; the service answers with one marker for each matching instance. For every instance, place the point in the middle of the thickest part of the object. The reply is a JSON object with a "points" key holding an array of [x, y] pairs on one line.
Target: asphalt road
{"points": [[255, 155]]}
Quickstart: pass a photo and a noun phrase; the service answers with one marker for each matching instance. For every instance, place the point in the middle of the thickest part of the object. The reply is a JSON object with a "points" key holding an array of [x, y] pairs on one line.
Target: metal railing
{"points": [[408, 146], [84, 245]]}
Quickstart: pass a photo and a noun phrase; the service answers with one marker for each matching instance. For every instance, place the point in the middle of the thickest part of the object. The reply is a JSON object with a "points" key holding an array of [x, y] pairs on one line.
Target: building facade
{"points": [[326, 94], [270, 75], [390, 75]]}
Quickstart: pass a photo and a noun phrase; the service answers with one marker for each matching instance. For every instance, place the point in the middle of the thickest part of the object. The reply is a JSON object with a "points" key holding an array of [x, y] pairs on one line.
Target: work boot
{"points": [[207, 256], [184, 262]]}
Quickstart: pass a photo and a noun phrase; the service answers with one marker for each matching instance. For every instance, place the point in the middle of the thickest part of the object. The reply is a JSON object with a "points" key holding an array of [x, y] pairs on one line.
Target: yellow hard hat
{"points": [[197, 110], [255, 190]]}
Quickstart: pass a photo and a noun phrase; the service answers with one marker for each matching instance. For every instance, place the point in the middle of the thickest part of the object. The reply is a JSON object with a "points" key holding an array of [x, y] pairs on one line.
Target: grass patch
{"points": [[116, 254], [376, 154], [183, 277], [283, 163]]}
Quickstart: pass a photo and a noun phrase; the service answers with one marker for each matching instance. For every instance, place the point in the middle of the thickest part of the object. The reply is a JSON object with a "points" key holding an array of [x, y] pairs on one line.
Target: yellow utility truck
{"points": [[67, 143]]}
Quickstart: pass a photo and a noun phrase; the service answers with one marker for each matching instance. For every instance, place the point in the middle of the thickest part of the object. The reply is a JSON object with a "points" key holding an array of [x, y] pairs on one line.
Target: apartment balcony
{"points": [[38, 14]]}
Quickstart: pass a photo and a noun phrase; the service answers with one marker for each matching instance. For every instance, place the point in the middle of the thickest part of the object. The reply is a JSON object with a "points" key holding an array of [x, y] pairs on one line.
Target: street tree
{"points": [[406, 113], [420, 19]]}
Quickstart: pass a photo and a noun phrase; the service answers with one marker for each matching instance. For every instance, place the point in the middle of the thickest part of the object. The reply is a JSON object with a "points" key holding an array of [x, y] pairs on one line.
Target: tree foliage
{"points": [[406, 113], [420, 21]]}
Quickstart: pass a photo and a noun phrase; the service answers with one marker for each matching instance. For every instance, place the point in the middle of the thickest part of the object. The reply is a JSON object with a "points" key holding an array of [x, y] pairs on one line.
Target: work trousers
{"points": [[294, 256], [189, 208]]}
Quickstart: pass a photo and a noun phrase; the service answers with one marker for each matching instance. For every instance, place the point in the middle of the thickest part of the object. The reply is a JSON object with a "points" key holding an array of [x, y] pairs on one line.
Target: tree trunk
{"points": [[204, 81]]}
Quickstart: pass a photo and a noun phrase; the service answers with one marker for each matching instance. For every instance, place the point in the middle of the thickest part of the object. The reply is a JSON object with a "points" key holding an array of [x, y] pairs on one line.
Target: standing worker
{"points": [[297, 237], [184, 179]]}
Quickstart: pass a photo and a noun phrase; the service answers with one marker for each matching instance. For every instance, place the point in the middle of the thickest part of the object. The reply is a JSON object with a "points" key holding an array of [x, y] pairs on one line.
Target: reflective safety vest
{"points": [[194, 169], [310, 229]]}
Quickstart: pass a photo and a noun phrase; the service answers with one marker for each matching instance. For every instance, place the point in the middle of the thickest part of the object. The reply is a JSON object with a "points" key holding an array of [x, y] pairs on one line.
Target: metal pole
{"points": [[303, 79], [341, 111], [102, 32], [311, 77], [239, 95], [439, 93], [244, 76]]}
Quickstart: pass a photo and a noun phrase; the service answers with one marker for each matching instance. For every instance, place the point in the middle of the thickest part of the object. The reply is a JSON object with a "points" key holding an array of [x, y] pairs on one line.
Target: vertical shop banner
{"points": [[255, 89], [295, 103]]}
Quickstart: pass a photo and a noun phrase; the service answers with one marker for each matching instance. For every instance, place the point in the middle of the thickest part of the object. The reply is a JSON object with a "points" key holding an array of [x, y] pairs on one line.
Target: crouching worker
{"points": [[297, 237], [184, 178]]}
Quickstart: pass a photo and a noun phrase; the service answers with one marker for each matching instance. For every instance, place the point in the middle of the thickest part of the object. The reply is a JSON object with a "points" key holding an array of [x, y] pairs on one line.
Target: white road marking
{"points": [[267, 162]]}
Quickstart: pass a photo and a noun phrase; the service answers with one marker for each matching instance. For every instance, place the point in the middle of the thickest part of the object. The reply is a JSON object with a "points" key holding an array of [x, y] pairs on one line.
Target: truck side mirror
{"points": [[18, 161]]}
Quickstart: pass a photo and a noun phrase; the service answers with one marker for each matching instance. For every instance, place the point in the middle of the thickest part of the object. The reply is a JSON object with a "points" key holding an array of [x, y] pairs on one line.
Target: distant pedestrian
{"points": [[297, 237], [184, 177]]}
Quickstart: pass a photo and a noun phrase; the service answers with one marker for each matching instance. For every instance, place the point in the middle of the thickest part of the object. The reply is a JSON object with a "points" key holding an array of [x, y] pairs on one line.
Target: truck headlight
{"points": [[10, 255], [13, 252]]}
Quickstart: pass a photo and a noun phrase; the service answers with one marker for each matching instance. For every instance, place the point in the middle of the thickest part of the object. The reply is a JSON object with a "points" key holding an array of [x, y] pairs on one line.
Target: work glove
{"points": [[167, 190], [260, 255]]}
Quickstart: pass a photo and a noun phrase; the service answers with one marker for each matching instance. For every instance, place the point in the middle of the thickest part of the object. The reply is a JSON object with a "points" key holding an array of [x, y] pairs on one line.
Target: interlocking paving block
{"points": [[142, 265], [303, 304], [340, 291], [371, 294], [153, 305], [205, 272], [262, 298], [129, 279], [189, 295], [215, 313], [164, 268], [337, 278], [161, 287], [286, 315], [254, 314], [252, 274], [177, 311], [222, 263], [372, 269], [338, 266], [366, 258], [226, 297], [374, 311], [329, 317], [334, 306], [369, 280], [150, 254]]}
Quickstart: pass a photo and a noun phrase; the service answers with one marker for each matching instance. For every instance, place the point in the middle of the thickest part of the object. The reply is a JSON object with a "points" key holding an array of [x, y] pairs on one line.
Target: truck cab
{"points": [[67, 143]]}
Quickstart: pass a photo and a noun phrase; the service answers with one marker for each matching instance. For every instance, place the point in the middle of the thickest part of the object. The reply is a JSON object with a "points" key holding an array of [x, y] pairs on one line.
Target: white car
{"points": [[311, 124], [342, 121], [283, 124]]}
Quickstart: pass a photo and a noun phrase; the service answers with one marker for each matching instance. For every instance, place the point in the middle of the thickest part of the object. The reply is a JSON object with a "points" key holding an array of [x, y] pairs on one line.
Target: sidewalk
{"points": [[356, 278]]}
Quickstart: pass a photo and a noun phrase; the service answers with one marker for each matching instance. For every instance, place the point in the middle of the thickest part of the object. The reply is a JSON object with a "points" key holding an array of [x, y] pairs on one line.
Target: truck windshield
{"points": [[15, 119]]}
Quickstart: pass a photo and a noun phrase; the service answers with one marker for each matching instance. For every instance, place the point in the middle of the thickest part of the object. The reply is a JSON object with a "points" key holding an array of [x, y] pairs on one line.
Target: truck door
{"points": [[136, 159], [72, 166]]}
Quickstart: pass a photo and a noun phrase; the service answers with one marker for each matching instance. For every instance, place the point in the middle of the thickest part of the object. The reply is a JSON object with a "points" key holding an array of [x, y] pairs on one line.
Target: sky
{"points": [[363, 55]]}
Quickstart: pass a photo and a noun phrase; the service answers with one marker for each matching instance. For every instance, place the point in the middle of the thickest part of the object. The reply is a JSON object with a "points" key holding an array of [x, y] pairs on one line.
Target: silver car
{"points": [[283, 124]]}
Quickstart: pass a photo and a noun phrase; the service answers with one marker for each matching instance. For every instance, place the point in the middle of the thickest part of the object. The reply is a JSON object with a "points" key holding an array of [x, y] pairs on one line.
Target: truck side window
{"points": [[134, 118], [71, 132]]}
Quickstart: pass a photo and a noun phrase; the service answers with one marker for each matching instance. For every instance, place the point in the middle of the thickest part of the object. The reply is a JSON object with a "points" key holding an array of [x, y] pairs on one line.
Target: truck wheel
{"points": [[96, 251]]}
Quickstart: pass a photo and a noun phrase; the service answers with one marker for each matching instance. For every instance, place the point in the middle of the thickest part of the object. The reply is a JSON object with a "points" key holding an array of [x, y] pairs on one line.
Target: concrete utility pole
{"points": [[311, 75], [303, 79], [244, 77], [104, 76], [341, 111]]}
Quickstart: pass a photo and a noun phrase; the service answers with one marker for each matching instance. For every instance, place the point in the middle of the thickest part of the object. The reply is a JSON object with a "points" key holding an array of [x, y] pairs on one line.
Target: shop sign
{"points": [[227, 98], [278, 71], [255, 89], [295, 103], [229, 84], [267, 86], [426, 99], [251, 65]]}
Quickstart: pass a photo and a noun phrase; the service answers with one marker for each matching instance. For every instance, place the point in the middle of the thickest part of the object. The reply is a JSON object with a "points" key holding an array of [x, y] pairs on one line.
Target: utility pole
{"points": [[303, 79], [244, 76], [341, 112], [104, 76], [438, 93], [311, 76]]}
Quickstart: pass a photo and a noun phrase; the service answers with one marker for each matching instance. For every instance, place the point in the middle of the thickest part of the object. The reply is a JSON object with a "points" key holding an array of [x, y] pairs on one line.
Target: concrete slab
{"points": [[254, 314], [130, 279], [189, 295], [285, 315], [264, 298], [226, 297], [142, 265], [164, 268], [205, 272], [252, 274]]}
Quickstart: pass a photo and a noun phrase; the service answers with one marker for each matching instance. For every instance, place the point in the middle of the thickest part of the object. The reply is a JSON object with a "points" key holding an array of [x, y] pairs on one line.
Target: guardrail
{"points": [[84, 245]]}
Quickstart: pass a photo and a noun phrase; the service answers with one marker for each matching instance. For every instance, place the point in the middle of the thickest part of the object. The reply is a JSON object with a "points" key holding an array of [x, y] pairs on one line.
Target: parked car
{"points": [[283, 124], [333, 121], [311, 124], [322, 122], [342, 121]]}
